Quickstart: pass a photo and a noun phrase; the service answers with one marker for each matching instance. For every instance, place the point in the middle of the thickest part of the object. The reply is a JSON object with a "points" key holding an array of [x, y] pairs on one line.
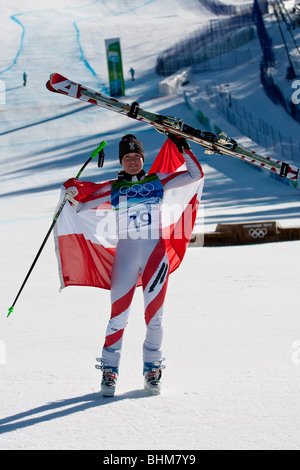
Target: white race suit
{"points": [[141, 252]]}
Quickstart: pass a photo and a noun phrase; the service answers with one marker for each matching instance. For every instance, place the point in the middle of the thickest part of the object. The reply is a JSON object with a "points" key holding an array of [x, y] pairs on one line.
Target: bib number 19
{"points": [[140, 220]]}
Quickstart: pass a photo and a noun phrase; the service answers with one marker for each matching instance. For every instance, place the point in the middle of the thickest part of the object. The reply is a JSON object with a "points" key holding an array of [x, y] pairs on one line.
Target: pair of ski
{"points": [[221, 144]]}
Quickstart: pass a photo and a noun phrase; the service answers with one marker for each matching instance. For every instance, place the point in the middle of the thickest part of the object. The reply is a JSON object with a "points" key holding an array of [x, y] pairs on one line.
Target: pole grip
{"points": [[98, 149]]}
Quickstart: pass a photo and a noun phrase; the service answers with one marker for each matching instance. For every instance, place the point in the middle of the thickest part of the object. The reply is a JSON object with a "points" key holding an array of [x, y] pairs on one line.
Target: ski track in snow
{"points": [[232, 314], [48, 12]]}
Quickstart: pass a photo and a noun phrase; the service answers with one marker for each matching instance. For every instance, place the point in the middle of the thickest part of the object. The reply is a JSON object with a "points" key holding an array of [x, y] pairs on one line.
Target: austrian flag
{"points": [[163, 204]]}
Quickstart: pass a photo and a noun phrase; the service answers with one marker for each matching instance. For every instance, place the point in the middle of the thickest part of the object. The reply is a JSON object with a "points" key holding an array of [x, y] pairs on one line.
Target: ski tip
{"points": [[57, 78], [54, 78], [49, 86], [10, 310]]}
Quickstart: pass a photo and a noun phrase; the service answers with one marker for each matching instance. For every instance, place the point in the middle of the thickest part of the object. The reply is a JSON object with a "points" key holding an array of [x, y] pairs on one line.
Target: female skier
{"points": [[140, 255]]}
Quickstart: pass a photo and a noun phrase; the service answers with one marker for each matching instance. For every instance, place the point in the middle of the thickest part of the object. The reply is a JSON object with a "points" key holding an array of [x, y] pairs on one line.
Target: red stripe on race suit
{"points": [[122, 304], [156, 303], [112, 339], [154, 261]]}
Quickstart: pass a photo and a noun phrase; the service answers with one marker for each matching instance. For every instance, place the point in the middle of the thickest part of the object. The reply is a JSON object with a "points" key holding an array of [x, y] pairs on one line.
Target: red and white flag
{"points": [[86, 239]]}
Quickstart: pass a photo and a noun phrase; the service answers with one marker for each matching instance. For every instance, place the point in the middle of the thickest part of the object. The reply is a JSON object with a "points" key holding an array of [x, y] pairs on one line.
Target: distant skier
{"points": [[145, 252], [24, 79], [132, 72]]}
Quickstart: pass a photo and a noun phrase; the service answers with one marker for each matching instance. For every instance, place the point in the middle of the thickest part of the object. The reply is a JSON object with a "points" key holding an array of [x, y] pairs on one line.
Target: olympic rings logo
{"points": [[142, 190], [258, 232]]}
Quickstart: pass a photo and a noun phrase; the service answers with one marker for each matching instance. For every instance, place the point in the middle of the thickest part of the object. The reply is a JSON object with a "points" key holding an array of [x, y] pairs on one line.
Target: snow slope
{"points": [[232, 376]]}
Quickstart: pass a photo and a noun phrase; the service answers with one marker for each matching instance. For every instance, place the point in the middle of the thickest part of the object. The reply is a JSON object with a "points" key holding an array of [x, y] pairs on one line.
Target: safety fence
{"points": [[252, 126], [215, 38], [228, 60], [276, 95], [268, 63], [220, 8], [213, 102], [287, 26], [264, 38]]}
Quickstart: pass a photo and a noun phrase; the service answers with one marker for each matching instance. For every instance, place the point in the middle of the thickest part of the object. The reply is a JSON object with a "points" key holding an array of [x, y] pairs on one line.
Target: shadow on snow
{"points": [[60, 409]]}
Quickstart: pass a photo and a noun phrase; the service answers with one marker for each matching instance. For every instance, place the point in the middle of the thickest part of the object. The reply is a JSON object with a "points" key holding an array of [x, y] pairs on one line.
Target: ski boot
{"points": [[109, 379], [152, 377]]}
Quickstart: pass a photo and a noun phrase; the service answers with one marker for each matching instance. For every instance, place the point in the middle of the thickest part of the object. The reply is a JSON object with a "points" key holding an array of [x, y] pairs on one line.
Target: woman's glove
{"points": [[70, 194], [180, 142]]}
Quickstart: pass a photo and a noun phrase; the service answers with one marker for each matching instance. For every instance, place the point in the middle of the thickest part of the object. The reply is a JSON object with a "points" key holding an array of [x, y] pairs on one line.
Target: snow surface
{"points": [[232, 314]]}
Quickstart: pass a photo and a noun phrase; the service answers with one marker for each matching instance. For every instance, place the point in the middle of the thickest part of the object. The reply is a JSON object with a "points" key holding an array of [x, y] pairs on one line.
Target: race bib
{"points": [[137, 206]]}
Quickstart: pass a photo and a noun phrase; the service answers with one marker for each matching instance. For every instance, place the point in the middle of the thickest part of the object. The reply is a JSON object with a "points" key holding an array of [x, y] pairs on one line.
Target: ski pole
{"points": [[98, 151]]}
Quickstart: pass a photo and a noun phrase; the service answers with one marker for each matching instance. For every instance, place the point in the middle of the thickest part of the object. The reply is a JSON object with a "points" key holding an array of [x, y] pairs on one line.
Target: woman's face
{"points": [[132, 163]]}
